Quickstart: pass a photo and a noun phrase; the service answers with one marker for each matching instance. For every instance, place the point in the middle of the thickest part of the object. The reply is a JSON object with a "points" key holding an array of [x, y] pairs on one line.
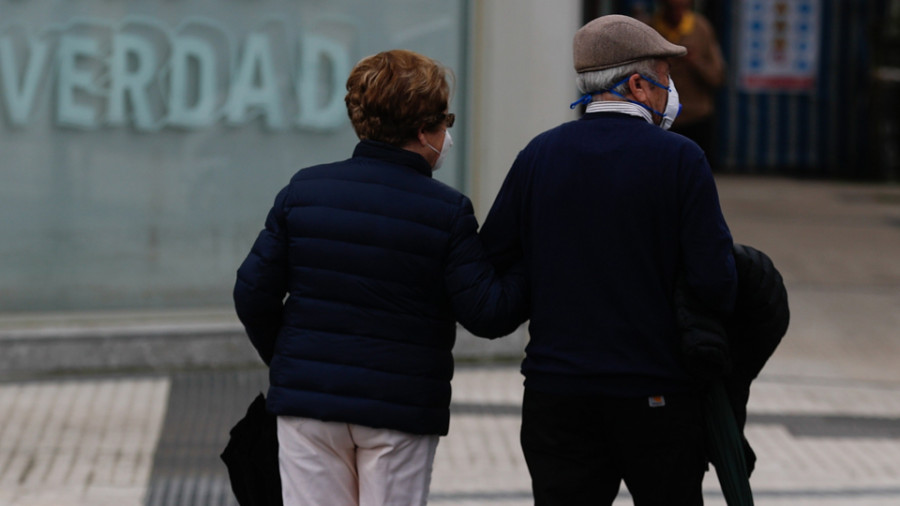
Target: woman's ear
{"points": [[421, 136]]}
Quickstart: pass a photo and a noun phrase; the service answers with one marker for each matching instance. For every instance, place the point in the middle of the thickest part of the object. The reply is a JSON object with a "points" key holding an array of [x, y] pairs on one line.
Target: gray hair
{"points": [[600, 80]]}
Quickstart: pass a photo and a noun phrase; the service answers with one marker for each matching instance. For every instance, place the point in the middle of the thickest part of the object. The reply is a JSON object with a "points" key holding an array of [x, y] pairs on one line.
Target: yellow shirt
{"points": [[674, 34]]}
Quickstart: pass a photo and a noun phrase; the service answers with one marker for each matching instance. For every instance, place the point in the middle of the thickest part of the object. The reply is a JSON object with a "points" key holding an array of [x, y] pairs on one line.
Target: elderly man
{"points": [[608, 212]]}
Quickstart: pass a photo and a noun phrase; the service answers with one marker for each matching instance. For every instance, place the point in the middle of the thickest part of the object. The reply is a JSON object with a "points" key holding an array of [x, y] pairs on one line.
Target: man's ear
{"points": [[638, 88]]}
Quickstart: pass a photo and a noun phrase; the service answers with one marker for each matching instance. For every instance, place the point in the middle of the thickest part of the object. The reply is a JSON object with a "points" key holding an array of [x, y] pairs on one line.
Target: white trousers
{"points": [[339, 464]]}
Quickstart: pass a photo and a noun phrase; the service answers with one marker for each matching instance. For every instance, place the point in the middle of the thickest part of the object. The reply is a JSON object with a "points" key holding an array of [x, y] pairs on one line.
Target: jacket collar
{"points": [[388, 153]]}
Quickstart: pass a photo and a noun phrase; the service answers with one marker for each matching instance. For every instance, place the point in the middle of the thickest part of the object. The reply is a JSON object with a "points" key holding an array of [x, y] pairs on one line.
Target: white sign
{"points": [[779, 44]]}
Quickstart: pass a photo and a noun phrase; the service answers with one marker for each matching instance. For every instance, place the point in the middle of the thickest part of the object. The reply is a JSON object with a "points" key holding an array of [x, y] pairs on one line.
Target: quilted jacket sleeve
{"points": [[485, 303], [262, 282], [750, 335], [762, 313]]}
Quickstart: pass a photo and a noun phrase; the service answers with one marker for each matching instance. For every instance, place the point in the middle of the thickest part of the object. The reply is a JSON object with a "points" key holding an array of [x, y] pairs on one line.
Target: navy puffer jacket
{"points": [[378, 262]]}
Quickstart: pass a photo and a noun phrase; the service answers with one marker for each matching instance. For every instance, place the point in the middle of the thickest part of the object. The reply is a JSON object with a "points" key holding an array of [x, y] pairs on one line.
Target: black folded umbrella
{"points": [[251, 457], [725, 446]]}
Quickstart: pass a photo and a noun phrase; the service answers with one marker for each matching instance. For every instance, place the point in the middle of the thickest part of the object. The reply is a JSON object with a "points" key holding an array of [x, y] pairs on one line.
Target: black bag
{"points": [[251, 457]]}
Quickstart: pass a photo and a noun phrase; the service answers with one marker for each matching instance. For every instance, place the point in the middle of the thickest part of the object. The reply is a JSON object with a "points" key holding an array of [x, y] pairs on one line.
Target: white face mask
{"points": [[442, 154], [673, 107]]}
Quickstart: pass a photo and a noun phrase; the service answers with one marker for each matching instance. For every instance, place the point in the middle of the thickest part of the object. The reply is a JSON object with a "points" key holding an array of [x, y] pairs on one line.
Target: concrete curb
{"points": [[27, 350], [58, 350]]}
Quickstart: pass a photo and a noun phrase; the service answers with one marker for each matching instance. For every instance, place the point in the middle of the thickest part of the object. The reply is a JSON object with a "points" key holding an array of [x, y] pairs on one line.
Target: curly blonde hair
{"points": [[392, 94]]}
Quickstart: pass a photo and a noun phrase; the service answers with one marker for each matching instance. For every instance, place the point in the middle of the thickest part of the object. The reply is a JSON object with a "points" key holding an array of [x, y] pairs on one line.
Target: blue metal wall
{"points": [[821, 133]]}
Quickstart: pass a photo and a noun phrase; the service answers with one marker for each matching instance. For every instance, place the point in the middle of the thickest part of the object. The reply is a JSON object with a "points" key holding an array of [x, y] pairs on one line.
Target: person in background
{"points": [[641, 10], [698, 74], [352, 292], [608, 213]]}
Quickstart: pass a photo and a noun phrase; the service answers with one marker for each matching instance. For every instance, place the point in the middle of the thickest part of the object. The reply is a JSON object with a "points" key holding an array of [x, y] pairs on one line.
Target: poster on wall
{"points": [[779, 45]]}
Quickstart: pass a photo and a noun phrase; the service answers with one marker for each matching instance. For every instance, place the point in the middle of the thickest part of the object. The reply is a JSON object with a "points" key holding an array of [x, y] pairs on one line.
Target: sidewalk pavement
{"points": [[824, 417]]}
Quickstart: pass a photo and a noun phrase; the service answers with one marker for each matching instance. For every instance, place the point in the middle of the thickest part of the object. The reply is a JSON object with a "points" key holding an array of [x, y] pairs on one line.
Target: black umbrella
{"points": [[725, 446], [251, 457]]}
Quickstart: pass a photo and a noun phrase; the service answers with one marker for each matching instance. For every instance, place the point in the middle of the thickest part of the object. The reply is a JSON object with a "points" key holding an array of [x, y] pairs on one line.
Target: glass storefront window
{"points": [[142, 143]]}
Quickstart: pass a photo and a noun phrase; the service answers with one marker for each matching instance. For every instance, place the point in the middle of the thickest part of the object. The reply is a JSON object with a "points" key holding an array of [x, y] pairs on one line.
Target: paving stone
{"points": [[79, 442]]}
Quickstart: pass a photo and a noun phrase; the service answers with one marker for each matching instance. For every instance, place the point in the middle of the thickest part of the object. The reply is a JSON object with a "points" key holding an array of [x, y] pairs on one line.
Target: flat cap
{"points": [[610, 41]]}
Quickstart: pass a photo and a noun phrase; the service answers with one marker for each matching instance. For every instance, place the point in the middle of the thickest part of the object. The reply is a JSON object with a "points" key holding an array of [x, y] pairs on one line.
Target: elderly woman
{"points": [[377, 261]]}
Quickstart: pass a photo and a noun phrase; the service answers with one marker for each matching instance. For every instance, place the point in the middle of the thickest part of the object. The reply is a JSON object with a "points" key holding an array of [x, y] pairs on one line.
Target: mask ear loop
{"points": [[587, 98], [651, 81], [645, 106]]}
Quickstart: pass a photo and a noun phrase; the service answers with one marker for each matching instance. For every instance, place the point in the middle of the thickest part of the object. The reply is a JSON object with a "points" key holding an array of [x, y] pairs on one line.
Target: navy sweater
{"points": [[605, 211], [378, 261]]}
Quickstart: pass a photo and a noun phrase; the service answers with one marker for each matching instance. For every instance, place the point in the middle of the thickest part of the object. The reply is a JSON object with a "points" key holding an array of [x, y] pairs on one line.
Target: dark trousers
{"points": [[579, 449]]}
